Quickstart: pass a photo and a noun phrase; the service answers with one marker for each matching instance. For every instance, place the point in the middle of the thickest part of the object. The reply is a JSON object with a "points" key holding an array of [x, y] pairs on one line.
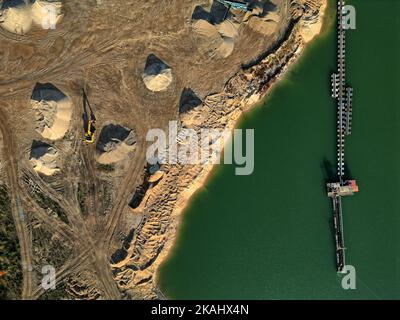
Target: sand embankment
{"points": [[313, 28], [246, 103]]}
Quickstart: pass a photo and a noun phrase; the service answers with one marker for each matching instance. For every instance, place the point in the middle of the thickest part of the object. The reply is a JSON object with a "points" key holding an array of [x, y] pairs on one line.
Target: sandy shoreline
{"points": [[314, 30], [201, 181], [108, 57]]}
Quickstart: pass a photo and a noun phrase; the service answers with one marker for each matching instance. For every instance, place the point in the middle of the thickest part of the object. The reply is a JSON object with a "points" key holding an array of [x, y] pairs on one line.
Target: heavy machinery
{"points": [[89, 134], [89, 121], [239, 5]]}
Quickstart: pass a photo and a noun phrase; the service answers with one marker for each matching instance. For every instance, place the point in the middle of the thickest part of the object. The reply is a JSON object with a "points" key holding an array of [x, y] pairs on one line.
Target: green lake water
{"points": [[269, 235]]}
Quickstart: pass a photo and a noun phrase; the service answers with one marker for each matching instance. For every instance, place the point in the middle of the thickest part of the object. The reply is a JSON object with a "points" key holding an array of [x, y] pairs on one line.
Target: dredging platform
{"points": [[343, 95]]}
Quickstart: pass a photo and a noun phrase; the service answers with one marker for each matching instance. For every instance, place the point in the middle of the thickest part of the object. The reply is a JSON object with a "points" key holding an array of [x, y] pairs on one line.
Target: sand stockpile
{"points": [[53, 111], [215, 37], [228, 32], [157, 176], [188, 108], [44, 158], [15, 16], [46, 14], [18, 16], [188, 101], [115, 143], [265, 17], [157, 76]]}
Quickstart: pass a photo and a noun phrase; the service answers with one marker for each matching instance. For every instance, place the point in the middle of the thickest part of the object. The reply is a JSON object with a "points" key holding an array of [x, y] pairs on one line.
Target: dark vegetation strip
{"points": [[10, 257]]}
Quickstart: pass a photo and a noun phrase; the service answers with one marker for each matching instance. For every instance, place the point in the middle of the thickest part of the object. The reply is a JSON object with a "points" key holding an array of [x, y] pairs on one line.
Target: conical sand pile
{"points": [[157, 76], [265, 17], [46, 13], [43, 158], [18, 16], [53, 111], [218, 38], [115, 143], [15, 16]]}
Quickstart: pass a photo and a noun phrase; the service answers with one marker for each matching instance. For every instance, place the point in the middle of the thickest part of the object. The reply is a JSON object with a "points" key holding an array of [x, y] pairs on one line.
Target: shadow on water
{"points": [[347, 170], [328, 171]]}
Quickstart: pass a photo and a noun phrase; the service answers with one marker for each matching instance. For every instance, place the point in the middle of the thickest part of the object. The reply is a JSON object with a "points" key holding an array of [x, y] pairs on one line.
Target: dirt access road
{"points": [[103, 46]]}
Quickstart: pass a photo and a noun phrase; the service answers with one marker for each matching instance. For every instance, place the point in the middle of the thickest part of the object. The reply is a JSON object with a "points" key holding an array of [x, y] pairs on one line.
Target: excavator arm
{"points": [[89, 122]]}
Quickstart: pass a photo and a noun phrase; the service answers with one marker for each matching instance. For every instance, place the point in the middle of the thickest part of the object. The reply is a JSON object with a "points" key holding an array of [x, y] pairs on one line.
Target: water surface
{"points": [[269, 235]]}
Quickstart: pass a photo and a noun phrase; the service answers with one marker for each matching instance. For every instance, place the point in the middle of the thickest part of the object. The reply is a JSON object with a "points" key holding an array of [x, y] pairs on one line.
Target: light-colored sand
{"points": [[228, 32], [44, 159], [267, 25], [312, 29], [205, 29], [219, 37], [156, 176], [119, 154], [18, 16], [157, 76], [264, 20], [54, 112], [45, 13], [15, 17], [201, 179], [115, 143]]}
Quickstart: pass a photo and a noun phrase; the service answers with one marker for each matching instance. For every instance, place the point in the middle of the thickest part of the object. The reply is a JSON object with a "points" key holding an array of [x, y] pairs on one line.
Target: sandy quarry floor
{"points": [[142, 64]]}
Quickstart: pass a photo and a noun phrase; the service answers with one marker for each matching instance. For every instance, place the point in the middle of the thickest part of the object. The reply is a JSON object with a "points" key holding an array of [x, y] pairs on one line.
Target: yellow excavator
{"points": [[89, 134], [89, 121]]}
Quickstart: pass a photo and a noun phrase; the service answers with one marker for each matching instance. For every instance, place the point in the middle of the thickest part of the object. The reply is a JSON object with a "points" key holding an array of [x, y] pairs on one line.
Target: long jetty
{"points": [[343, 95]]}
